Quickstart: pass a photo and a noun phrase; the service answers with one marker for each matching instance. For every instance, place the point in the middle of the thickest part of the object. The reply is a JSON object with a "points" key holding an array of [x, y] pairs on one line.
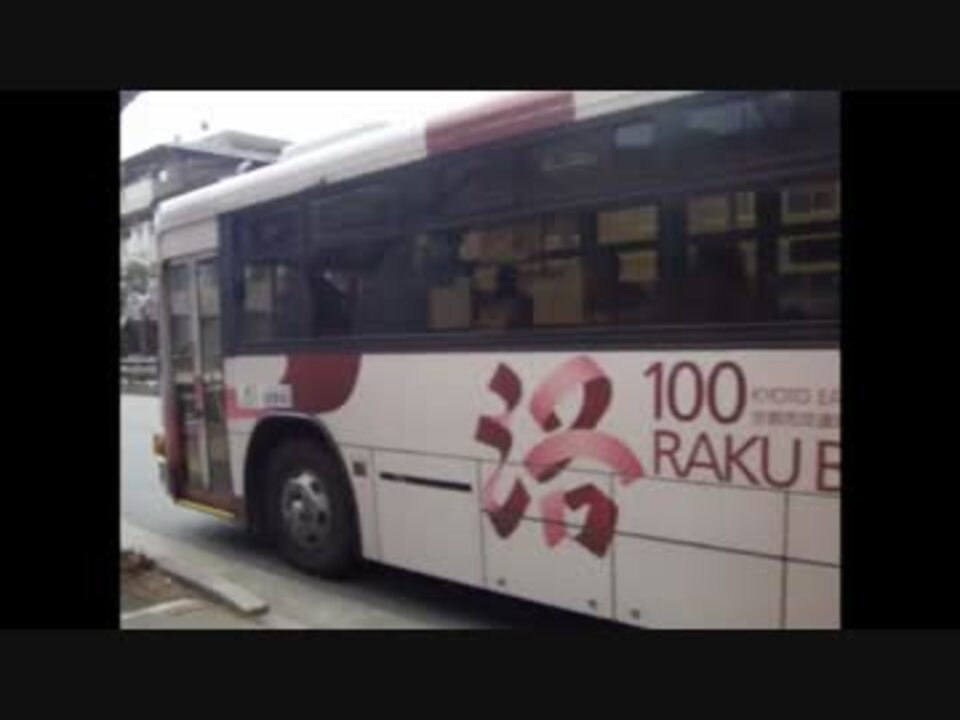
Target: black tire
{"points": [[331, 551]]}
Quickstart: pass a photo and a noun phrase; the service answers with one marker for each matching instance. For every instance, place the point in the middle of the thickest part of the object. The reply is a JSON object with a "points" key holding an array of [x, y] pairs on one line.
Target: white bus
{"points": [[580, 348]]}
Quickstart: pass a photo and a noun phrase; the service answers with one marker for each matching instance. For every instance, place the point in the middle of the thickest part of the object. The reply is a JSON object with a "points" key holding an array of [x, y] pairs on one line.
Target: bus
{"points": [[576, 347]]}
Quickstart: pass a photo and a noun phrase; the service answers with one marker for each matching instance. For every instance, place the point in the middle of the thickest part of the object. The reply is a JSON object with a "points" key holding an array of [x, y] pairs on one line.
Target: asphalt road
{"points": [[380, 597]]}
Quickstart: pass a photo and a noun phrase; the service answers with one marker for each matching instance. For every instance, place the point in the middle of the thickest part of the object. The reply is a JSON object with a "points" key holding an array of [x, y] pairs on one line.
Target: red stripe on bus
{"points": [[323, 382], [500, 119]]}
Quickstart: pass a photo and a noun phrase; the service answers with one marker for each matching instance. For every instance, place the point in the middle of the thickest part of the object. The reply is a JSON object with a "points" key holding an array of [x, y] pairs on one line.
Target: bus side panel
{"points": [[567, 575], [360, 468], [814, 532], [241, 420], [731, 518], [550, 556], [666, 585], [813, 597], [698, 452], [428, 515], [813, 591]]}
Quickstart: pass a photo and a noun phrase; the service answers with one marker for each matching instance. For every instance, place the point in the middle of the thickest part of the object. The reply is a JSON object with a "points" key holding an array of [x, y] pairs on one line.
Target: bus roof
{"points": [[368, 152]]}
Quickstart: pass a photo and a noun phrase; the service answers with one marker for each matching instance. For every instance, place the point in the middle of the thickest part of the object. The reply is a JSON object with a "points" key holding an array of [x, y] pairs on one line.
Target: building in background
{"points": [[154, 175], [171, 169]]}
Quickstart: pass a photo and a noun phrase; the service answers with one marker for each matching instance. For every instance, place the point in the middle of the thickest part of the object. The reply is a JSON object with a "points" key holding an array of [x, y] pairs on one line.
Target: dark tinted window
{"points": [[258, 302], [721, 212], [729, 118], [780, 109], [264, 292], [599, 268], [577, 164], [720, 282], [271, 307], [180, 302], [272, 234], [810, 202], [476, 183], [808, 250], [717, 277], [391, 286], [337, 279], [814, 250], [372, 261], [208, 295], [547, 271], [635, 136], [365, 208]]}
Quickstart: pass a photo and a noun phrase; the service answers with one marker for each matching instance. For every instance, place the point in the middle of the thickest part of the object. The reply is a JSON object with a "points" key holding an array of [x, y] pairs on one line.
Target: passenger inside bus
{"points": [[507, 306]]}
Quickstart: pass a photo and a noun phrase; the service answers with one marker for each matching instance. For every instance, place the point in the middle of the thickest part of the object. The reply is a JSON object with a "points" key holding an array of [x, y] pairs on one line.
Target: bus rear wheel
{"points": [[311, 513]]}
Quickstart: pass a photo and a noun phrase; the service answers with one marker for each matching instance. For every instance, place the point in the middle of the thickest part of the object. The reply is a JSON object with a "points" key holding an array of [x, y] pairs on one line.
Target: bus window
{"points": [[332, 287], [635, 136], [555, 270], [623, 272], [729, 118], [504, 306], [476, 183], [269, 245], [181, 333], [270, 234], [808, 251], [721, 213], [369, 287], [209, 305], [810, 202], [446, 271], [497, 298], [578, 164], [271, 309], [258, 302], [721, 282], [366, 208]]}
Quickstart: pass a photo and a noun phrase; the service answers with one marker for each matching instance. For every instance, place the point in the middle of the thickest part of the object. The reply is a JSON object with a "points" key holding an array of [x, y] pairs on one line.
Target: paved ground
{"points": [[151, 599], [380, 598], [196, 616]]}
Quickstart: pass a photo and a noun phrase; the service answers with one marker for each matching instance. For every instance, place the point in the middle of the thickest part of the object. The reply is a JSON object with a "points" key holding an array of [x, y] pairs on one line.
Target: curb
{"points": [[160, 609], [239, 598]]}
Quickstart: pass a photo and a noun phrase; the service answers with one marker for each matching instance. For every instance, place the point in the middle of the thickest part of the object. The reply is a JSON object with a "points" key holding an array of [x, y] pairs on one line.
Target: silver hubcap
{"points": [[306, 510]]}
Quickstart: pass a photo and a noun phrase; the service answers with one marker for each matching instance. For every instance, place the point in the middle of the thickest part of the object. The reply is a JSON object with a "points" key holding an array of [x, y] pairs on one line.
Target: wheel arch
{"points": [[268, 433]]}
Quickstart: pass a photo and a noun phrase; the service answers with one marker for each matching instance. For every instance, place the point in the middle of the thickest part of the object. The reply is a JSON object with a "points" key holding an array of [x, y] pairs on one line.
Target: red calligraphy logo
{"points": [[554, 453]]}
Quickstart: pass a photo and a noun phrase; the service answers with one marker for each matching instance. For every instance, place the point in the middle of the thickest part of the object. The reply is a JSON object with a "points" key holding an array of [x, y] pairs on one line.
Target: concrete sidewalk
{"points": [[300, 601], [188, 614], [208, 600]]}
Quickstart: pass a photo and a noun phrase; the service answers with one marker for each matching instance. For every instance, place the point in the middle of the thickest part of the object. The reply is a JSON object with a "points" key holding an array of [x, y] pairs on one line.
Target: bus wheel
{"points": [[310, 510]]}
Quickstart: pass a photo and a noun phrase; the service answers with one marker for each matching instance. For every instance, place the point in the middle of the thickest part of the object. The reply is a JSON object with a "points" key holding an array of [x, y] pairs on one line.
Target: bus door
{"points": [[196, 366]]}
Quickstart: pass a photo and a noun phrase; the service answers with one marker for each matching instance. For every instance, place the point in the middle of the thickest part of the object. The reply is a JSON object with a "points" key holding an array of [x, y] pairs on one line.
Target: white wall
{"points": [[140, 244], [136, 195]]}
